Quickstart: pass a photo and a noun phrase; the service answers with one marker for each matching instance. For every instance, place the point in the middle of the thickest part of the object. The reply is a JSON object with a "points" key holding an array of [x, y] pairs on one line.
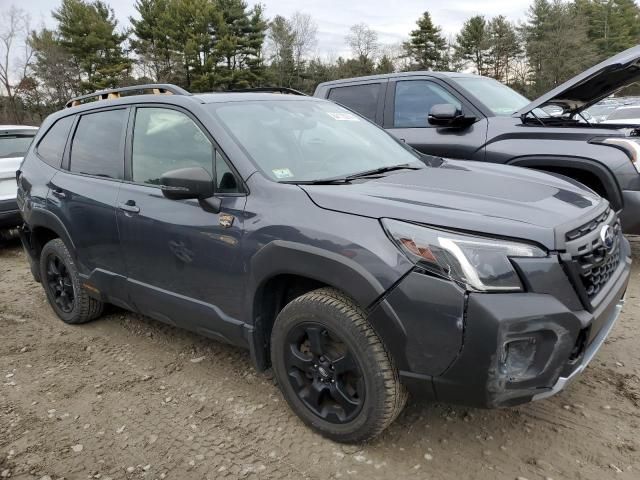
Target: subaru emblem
{"points": [[606, 235]]}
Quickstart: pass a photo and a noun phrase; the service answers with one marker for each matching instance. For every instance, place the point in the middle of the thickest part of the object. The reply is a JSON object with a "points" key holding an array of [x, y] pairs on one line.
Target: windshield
{"points": [[14, 145], [293, 140], [499, 98], [625, 114]]}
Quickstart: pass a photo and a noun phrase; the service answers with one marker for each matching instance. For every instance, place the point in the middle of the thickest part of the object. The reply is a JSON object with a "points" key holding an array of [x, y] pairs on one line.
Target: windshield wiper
{"points": [[375, 171], [354, 176], [322, 181]]}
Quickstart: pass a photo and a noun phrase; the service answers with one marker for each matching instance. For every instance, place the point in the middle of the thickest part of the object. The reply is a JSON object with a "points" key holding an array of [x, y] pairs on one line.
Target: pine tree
{"points": [[426, 46], [151, 43], [241, 35], [87, 31], [613, 25], [472, 43], [504, 47], [281, 43], [556, 43], [385, 65]]}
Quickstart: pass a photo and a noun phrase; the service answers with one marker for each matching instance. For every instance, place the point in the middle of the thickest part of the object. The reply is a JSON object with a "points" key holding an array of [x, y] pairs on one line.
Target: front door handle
{"points": [[130, 206]]}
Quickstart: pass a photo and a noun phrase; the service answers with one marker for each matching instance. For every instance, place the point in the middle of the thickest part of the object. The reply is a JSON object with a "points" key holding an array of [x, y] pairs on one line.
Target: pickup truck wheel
{"points": [[62, 285], [333, 369]]}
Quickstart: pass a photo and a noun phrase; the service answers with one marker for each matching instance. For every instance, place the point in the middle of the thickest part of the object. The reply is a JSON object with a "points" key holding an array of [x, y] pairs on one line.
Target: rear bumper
{"points": [[9, 214], [479, 371], [630, 215]]}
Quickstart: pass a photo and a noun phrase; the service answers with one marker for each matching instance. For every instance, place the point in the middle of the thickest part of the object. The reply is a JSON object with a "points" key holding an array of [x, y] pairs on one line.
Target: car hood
{"points": [[492, 199], [592, 85]]}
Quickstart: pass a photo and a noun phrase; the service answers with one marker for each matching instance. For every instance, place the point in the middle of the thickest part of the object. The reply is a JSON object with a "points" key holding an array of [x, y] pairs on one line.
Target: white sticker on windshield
{"points": [[343, 117], [282, 173]]}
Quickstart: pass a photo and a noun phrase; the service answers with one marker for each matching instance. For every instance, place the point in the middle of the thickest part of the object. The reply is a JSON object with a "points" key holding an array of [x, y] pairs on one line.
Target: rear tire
{"points": [[333, 369], [63, 286]]}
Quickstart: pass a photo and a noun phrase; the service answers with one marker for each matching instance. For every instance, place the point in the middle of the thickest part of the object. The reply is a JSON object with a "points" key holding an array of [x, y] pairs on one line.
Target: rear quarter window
{"points": [[51, 147], [360, 98]]}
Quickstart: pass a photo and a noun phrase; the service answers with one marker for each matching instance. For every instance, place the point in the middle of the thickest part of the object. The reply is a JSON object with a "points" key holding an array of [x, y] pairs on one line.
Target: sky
{"points": [[392, 19]]}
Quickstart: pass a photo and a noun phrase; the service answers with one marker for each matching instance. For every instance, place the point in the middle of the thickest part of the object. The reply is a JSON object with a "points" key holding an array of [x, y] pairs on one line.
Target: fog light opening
{"points": [[519, 355]]}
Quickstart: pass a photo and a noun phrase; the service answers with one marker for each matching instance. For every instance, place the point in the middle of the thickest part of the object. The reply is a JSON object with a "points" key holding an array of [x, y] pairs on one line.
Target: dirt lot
{"points": [[127, 397]]}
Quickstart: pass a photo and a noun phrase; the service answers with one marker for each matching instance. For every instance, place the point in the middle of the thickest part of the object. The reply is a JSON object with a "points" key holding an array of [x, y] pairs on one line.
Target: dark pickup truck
{"points": [[470, 117]]}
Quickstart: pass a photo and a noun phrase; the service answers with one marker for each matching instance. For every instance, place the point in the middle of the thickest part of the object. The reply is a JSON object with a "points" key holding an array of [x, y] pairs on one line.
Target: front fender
{"points": [[286, 257]]}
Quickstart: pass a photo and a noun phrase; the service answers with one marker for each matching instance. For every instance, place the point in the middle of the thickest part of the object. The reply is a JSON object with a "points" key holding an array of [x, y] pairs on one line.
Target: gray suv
{"points": [[354, 266], [470, 117]]}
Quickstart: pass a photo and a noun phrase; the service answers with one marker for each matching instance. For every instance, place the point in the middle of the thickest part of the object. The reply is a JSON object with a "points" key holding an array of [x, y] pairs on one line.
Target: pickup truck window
{"points": [[361, 98], [414, 99], [498, 97]]}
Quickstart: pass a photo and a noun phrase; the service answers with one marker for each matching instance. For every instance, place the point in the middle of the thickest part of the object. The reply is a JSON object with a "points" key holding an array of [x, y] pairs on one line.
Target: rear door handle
{"points": [[130, 206], [58, 192]]}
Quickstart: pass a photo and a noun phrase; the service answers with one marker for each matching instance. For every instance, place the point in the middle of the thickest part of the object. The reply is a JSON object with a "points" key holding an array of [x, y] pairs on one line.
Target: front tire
{"points": [[333, 369], [63, 286]]}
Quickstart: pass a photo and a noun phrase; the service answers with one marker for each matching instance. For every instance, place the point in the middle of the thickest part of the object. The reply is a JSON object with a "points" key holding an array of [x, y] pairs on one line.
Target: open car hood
{"points": [[592, 85]]}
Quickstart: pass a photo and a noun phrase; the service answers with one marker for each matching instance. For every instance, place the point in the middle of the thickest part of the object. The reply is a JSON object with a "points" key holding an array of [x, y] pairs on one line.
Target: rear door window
{"points": [[51, 147], [98, 144], [414, 99], [361, 98]]}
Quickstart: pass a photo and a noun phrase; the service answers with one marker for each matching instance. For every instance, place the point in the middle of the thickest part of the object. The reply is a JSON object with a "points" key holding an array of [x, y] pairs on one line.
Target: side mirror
{"points": [[186, 183], [448, 115], [191, 183]]}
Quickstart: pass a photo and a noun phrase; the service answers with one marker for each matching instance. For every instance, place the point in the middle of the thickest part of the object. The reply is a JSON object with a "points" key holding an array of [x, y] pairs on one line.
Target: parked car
{"points": [[353, 265], [14, 142], [600, 112], [626, 115], [470, 117]]}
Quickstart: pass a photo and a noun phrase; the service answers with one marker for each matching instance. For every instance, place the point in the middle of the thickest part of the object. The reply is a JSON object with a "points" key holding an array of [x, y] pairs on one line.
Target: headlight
{"points": [[629, 145], [479, 264]]}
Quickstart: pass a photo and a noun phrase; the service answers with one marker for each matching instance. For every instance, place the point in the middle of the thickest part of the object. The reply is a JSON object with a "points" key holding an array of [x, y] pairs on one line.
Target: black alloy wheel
{"points": [[324, 373], [59, 283]]}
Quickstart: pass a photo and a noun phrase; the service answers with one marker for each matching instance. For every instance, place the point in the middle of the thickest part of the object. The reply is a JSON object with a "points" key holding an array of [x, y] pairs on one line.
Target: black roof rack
{"points": [[111, 93], [282, 90]]}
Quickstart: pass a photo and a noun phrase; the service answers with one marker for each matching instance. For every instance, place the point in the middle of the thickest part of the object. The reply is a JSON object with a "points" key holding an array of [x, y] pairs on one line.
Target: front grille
{"points": [[593, 253], [597, 267]]}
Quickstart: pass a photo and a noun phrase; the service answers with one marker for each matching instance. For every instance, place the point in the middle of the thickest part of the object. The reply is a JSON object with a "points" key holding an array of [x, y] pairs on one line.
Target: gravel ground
{"points": [[128, 397]]}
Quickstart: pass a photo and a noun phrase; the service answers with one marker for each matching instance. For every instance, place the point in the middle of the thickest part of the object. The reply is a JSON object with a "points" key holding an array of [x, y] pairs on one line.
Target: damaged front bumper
{"points": [[552, 346], [502, 349], [590, 352]]}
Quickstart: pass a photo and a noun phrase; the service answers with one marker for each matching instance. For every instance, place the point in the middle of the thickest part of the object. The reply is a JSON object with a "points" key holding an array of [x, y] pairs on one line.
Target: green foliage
{"points": [[87, 31], [282, 39], [385, 65], [427, 47], [612, 25], [504, 47], [206, 45], [556, 43], [472, 44]]}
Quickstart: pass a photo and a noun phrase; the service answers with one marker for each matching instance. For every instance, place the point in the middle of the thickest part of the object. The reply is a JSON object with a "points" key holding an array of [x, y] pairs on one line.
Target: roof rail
{"points": [[112, 93], [282, 90]]}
